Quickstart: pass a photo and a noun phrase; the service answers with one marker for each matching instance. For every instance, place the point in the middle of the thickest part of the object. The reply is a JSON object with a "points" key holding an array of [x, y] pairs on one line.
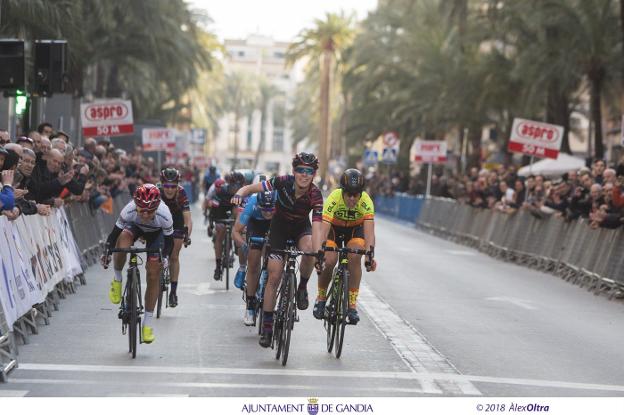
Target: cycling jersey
{"points": [[179, 203], [222, 196], [252, 211], [336, 212], [162, 220], [129, 220], [294, 209]]}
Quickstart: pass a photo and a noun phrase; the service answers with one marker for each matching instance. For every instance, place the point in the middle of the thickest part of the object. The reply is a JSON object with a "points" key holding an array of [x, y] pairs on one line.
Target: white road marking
{"points": [[303, 373], [460, 252], [208, 385], [411, 345], [8, 393], [526, 304]]}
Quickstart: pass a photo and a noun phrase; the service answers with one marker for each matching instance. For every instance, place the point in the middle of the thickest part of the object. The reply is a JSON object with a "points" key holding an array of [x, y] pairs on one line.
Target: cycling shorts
{"points": [[348, 235], [153, 240], [259, 229], [282, 230]]}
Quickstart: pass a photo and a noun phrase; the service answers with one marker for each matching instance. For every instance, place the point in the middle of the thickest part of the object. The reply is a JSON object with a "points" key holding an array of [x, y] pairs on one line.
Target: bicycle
{"points": [[264, 275], [226, 250], [335, 318], [164, 291], [286, 313], [131, 307]]}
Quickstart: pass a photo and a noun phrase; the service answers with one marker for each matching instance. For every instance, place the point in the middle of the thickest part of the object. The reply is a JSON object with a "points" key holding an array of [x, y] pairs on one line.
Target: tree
{"points": [[324, 43]]}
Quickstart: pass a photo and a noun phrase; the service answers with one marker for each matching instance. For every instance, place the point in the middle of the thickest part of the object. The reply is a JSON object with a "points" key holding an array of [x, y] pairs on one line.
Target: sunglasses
{"points": [[305, 170], [268, 210], [170, 186], [352, 195], [144, 210]]}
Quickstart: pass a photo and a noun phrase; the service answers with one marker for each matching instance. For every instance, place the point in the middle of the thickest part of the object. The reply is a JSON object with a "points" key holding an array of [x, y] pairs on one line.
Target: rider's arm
{"points": [[237, 233], [121, 223], [188, 222], [250, 188], [368, 208], [316, 200], [186, 210], [111, 241], [369, 233]]}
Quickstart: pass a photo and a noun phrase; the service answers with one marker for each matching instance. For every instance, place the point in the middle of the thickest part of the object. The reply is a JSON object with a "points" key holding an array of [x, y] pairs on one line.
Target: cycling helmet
{"points": [[218, 183], [236, 178], [169, 174], [266, 200], [352, 181], [305, 159], [147, 197]]}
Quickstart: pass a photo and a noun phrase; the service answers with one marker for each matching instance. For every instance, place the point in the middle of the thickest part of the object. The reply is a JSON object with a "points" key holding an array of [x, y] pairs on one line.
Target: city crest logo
{"points": [[313, 406]]}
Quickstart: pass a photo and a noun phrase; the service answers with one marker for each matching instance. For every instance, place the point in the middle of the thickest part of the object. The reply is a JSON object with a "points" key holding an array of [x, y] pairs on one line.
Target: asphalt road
{"points": [[438, 319]]}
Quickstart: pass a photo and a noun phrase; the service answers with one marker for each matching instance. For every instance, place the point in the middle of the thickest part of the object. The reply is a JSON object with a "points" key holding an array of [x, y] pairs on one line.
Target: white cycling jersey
{"points": [[161, 220]]}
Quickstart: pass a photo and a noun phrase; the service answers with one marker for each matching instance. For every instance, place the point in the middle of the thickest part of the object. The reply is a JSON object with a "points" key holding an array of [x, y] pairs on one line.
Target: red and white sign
{"points": [[200, 161], [159, 139], [433, 152], [391, 139], [535, 138], [107, 118]]}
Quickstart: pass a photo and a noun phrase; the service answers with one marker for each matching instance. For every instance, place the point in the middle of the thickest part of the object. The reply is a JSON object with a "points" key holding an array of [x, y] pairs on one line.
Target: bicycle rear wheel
{"points": [[341, 312], [134, 313], [289, 320]]}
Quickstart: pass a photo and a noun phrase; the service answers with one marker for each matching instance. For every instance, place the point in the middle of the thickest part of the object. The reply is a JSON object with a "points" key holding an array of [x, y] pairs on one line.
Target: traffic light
{"points": [[21, 102], [11, 64], [50, 66]]}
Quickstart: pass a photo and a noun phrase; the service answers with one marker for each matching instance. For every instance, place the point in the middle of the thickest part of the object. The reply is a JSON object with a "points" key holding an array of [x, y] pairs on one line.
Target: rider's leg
{"points": [[174, 263], [355, 276], [305, 270], [253, 270], [331, 258], [125, 240]]}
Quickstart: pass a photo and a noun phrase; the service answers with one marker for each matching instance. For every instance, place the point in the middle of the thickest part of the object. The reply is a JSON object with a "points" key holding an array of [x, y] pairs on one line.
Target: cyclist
{"points": [[143, 217], [296, 197], [176, 200], [248, 178], [256, 218], [221, 208], [348, 212]]}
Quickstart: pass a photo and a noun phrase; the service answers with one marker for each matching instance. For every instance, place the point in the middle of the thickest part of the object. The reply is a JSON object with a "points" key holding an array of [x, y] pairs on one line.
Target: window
{"points": [[278, 139]]}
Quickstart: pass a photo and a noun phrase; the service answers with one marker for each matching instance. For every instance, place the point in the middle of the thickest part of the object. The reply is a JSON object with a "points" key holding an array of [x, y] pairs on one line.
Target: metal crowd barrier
{"points": [[90, 230], [572, 250]]}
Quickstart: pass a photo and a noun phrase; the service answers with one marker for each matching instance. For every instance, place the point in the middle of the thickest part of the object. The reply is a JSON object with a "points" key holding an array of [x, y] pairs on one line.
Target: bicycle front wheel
{"points": [[290, 316], [341, 315], [161, 291], [330, 317], [228, 248], [133, 309]]}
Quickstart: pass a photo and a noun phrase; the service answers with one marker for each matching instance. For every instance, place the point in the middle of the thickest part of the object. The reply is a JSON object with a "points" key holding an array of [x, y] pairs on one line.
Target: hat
{"points": [[24, 138], [86, 154]]}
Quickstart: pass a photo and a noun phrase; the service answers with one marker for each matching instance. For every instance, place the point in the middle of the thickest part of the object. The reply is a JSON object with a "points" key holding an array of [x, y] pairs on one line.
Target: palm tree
{"points": [[324, 43], [267, 92], [239, 94]]}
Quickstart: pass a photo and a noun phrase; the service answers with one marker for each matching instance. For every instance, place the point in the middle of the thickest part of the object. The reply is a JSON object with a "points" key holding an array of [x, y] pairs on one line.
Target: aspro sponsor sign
{"points": [[535, 138], [107, 118], [430, 151], [159, 139]]}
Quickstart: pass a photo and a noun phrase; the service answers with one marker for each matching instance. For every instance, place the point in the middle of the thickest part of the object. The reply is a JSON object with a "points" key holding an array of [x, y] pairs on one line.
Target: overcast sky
{"points": [[280, 19]]}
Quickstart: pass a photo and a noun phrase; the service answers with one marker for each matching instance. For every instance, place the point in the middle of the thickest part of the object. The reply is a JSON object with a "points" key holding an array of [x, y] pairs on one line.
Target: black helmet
{"points": [[352, 181], [266, 200], [169, 175], [235, 177], [305, 159]]}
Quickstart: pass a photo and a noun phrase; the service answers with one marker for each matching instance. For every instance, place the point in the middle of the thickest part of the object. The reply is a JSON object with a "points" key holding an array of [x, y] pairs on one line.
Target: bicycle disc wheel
{"points": [[134, 314], [341, 317], [329, 318], [290, 316]]}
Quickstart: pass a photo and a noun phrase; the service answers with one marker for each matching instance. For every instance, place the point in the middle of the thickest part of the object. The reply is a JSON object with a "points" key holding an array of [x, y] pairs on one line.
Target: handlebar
{"points": [[294, 252], [135, 250], [346, 250], [225, 221]]}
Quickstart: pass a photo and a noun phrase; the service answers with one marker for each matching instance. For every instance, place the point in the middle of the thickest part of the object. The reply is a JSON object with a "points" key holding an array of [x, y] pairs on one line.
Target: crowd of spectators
{"points": [[44, 170], [594, 193]]}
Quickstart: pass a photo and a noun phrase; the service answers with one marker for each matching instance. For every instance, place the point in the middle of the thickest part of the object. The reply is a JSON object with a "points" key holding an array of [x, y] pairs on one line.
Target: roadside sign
{"points": [[535, 138], [391, 139], [370, 157], [389, 155], [107, 118], [433, 152], [159, 139]]}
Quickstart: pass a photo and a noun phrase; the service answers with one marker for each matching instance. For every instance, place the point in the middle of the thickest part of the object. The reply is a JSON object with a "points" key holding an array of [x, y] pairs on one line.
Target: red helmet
{"points": [[147, 197], [218, 183]]}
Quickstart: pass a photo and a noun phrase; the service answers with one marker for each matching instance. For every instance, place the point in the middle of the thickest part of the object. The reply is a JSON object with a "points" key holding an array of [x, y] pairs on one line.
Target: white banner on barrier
{"points": [[36, 253]]}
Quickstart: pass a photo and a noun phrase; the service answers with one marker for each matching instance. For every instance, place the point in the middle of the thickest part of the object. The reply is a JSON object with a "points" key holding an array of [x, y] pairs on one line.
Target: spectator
{"points": [[26, 142], [4, 137], [48, 180], [62, 135], [598, 169], [45, 129], [36, 137]]}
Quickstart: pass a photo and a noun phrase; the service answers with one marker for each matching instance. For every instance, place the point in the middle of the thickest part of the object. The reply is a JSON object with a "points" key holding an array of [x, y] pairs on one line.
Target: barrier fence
{"points": [[42, 258], [571, 250]]}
